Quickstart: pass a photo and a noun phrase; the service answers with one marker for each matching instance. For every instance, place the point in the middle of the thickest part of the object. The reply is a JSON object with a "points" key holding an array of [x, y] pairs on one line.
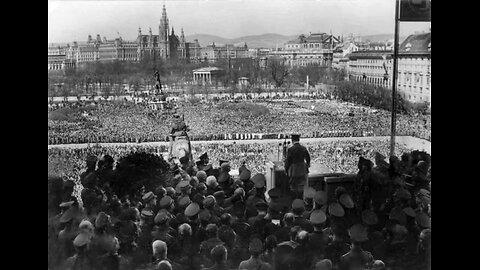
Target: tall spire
{"points": [[182, 36]]}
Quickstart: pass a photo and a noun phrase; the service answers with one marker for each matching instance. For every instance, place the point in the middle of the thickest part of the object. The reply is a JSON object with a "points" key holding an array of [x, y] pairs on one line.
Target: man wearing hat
{"points": [[255, 263], [277, 209], [308, 198], [257, 194], [245, 178], [162, 231], [297, 163], [150, 201], [298, 207], [357, 257], [185, 190], [258, 222], [81, 259], [317, 239]]}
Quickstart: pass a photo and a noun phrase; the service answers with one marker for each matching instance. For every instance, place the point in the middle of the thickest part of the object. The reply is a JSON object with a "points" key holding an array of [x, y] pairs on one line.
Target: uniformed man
{"points": [[356, 258], [82, 259], [150, 202], [91, 163], [298, 207], [318, 241], [255, 262], [277, 209], [297, 163]]}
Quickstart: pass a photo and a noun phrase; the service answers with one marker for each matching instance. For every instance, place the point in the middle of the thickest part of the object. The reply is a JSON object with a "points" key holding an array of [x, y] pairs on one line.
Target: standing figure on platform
{"points": [[297, 164]]}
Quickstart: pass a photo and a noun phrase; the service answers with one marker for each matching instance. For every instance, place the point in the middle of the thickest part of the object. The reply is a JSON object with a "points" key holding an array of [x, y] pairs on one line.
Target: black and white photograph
{"points": [[239, 134]]}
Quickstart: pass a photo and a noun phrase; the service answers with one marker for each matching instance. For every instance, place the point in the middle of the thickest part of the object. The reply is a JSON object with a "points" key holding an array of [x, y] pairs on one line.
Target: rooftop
{"points": [[416, 44]]}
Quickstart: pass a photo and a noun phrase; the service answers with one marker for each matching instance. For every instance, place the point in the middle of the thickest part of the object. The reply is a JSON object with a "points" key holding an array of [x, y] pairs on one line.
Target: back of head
{"points": [[159, 249], [288, 219], [185, 230], [219, 254], [271, 242], [163, 265], [324, 264], [226, 219], [212, 230]]}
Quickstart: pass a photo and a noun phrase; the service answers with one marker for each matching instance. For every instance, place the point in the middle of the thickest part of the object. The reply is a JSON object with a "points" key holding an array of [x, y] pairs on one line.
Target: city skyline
{"points": [[111, 19]]}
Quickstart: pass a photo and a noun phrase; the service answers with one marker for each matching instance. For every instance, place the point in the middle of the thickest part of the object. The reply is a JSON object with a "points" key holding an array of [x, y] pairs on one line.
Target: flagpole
{"points": [[394, 82]]}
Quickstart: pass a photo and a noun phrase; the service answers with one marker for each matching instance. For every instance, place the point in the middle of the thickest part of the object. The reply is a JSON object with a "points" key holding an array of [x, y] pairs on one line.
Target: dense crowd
{"points": [[208, 219], [337, 156], [129, 122]]}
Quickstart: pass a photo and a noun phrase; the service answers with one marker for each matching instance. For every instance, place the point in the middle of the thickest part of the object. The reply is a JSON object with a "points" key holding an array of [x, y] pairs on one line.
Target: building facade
{"points": [[314, 49], [414, 68], [375, 67], [164, 45]]}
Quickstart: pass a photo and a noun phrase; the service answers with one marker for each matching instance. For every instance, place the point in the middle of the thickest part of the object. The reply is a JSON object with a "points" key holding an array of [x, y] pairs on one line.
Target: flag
{"points": [[415, 10]]}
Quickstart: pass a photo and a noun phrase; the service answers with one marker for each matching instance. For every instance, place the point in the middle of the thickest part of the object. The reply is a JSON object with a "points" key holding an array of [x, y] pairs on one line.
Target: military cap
{"points": [[423, 220], [318, 217], [274, 193], [192, 209], [219, 195], [211, 228], [308, 192], [161, 217], [295, 137], [320, 197], [166, 201], [424, 192], [67, 204], [239, 191], [358, 233], [261, 206], [183, 185], [402, 194], [369, 217], [102, 220], [160, 191], [211, 180], [184, 201], [298, 204], [204, 215], [81, 239], [218, 251], [397, 214], [223, 177], [245, 175], [335, 209], [146, 213], [68, 215], [170, 191], [148, 196], [259, 180], [222, 161], [255, 246], [346, 200], [209, 201], [409, 211], [201, 175], [92, 158]]}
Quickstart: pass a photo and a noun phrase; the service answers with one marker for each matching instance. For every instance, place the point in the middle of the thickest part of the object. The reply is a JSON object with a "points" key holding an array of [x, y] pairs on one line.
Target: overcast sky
{"points": [[70, 20]]}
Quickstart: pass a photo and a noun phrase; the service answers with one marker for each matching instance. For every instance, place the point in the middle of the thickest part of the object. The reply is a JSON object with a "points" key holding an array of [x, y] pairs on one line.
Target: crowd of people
{"points": [[207, 219], [129, 122], [337, 156]]}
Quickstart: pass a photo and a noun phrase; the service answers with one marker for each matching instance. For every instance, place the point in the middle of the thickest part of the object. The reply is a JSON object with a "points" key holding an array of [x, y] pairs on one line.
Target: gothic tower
{"points": [[163, 35]]}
